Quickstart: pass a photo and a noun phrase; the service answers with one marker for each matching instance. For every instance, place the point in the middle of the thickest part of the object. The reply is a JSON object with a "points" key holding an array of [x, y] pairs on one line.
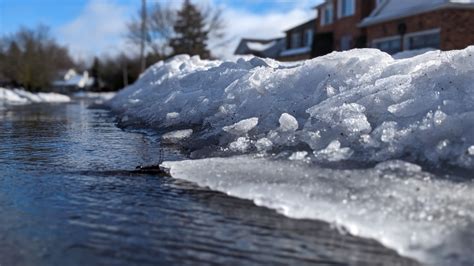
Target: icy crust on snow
{"points": [[17, 96], [396, 203], [359, 105]]}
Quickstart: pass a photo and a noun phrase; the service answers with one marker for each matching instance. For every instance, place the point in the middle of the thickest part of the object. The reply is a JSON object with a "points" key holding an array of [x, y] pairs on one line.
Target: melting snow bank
{"points": [[396, 203], [360, 105], [17, 96]]}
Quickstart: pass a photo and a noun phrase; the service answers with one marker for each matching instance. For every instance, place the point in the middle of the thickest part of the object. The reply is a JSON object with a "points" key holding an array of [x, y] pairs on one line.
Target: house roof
{"points": [[312, 21], [395, 9], [259, 46], [262, 47], [321, 4]]}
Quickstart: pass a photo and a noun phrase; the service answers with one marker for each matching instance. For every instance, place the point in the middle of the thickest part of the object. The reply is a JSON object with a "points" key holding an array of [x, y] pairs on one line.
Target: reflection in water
{"points": [[67, 197]]}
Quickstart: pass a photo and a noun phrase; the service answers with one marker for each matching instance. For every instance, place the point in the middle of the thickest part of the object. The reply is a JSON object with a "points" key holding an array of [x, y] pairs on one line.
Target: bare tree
{"points": [[33, 58], [160, 22], [215, 24], [138, 33], [144, 23]]}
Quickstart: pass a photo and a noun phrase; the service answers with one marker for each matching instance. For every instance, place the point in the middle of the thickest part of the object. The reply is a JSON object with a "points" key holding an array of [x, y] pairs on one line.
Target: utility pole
{"points": [[124, 65], [143, 37]]}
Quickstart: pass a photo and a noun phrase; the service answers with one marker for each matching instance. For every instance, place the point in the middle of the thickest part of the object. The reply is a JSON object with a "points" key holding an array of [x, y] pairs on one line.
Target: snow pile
{"points": [[10, 97], [360, 105], [412, 53], [16, 96], [396, 203]]}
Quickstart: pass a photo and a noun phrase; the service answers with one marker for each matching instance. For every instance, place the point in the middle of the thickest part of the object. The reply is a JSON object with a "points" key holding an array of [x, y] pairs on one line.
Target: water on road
{"points": [[69, 196]]}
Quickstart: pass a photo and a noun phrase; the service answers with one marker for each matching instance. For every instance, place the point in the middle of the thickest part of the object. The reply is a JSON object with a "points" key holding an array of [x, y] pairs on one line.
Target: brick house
{"points": [[298, 42], [398, 25], [337, 25]]}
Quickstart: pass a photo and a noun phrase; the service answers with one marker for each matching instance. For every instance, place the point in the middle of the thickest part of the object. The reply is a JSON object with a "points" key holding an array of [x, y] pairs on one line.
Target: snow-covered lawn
{"points": [[356, 108], [17, 96]]}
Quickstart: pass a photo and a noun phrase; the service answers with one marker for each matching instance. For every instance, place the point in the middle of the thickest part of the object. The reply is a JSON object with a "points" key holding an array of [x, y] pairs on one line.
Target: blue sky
{"points": [[97, 27]]}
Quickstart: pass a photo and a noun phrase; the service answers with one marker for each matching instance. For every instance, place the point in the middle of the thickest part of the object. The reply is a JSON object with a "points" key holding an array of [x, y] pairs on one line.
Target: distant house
{"points": [[70, 81], [398, 25], [298, 42], [389, 25], [338, 25], [269, 48]]}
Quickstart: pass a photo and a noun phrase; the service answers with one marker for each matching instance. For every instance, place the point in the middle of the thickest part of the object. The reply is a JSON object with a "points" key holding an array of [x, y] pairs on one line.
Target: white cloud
{"points": [[245, 24], [99, 29]]}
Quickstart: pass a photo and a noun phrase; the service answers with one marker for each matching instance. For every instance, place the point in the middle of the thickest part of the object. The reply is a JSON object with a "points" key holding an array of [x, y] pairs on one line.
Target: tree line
{"points": [[31, 58]]}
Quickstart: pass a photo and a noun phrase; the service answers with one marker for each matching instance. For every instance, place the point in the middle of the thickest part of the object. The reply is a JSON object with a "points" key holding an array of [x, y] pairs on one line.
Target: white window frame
{"points": [[323, 13], [340, 11], [387, 39], [295, 40], [406, 39], [346, 38], [309, 35]]}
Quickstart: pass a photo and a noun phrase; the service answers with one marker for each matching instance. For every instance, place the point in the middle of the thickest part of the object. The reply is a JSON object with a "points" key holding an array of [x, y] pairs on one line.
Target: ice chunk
{"points": [[429, 219], [172, 115], [398, 165], [288, 123], [334, 152], [177, 136], [298, 156], [264, 144], [242, 144], [242, 127], [471, 150]]}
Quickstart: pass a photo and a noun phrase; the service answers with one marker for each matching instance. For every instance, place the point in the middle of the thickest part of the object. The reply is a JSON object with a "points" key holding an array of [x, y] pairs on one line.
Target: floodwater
{"points": [[69, 196]]}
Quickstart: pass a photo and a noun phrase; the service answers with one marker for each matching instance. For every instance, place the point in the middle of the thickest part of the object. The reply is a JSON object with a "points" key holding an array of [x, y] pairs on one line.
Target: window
{"points": [[346, 42], [391, 45], [308, 38], [379, 2], [427, 39], [295, 40], [327, 14], [346, 8]]}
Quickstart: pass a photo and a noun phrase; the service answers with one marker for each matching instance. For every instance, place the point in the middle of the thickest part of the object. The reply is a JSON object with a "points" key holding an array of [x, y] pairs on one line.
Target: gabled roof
{"points": [[304, 24], [260, 47], [321, 4], [395, 9]]}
